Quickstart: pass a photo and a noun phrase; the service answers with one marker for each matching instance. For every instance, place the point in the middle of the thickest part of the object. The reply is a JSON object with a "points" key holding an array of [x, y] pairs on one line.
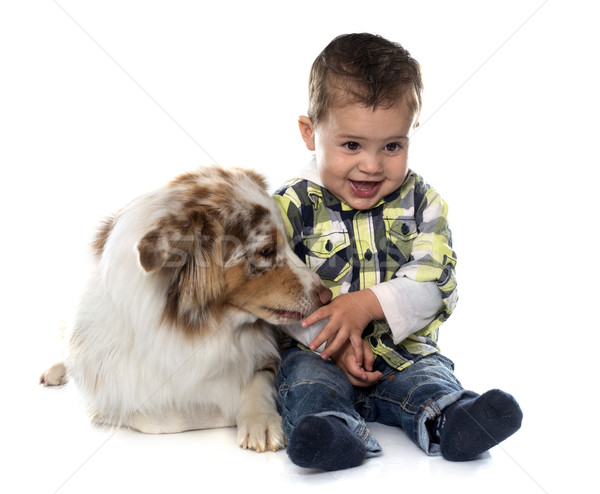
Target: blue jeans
{"points": [[410, 399]]}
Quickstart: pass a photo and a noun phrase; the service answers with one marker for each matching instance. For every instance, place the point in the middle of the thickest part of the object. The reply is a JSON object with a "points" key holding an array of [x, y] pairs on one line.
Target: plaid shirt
{"points": [[405, 234]]}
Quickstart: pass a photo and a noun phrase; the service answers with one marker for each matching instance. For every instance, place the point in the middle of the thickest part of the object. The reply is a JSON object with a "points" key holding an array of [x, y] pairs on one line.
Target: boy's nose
{"points": [[371, 164]]}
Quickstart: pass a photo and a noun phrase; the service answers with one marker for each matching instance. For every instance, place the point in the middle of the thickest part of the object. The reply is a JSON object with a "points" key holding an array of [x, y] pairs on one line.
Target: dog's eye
{"points": [[267, 251]]}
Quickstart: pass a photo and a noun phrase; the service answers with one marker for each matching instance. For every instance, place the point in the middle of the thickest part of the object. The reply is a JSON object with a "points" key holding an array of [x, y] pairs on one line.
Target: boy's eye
{"points": [[393, 147], [351, 146]]}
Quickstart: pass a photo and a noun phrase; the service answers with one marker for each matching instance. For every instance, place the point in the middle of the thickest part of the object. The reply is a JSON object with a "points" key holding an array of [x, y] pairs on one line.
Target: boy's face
{"points": [[361, 153]]}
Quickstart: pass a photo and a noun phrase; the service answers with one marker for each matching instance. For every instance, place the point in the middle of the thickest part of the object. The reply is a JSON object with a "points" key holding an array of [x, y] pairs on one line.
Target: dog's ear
{"points": [[153, 250], [188, 250]]}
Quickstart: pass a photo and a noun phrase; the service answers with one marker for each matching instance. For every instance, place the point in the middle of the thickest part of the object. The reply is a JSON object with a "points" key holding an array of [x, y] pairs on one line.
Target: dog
{"points": [[176, 329]]}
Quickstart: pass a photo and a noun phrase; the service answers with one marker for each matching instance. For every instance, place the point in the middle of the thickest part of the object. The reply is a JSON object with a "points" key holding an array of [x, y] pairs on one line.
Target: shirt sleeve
{"points": [[408, 305], [432, 258], [305, 335]]}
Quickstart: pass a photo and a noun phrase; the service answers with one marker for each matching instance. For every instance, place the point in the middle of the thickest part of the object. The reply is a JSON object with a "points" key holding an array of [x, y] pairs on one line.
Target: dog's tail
{"points": [[57, 374]]}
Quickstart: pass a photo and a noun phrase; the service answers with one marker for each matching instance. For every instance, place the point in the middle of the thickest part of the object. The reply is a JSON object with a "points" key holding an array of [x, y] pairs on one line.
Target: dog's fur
{"points": [[170, 334]]}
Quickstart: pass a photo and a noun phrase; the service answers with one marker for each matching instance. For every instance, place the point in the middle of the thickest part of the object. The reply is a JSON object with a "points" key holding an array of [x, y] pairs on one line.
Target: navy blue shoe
{"points": [[471, 426], [325, 443]]}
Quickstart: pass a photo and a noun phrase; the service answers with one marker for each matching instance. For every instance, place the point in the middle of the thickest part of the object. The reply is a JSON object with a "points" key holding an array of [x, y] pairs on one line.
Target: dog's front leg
{"points": [[259, 424]]}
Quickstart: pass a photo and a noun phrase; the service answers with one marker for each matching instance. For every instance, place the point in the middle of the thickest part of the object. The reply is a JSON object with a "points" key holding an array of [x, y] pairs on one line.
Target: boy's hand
{"points": [[348, 316], [362, 376], [347, 321]]}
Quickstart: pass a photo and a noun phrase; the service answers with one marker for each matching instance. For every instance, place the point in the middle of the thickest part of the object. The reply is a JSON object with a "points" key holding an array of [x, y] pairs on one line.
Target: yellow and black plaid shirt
{"points": [[405, 234]]}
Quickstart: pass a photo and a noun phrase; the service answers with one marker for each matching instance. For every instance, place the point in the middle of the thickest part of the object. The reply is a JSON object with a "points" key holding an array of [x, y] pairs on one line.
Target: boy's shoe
{"points": [[471, 426], [325, 443]]}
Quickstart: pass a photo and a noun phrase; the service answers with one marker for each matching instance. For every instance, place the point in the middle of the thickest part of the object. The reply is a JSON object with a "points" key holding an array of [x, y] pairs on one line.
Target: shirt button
{"points": [[404, 229], [368, 255], [328, 246]]}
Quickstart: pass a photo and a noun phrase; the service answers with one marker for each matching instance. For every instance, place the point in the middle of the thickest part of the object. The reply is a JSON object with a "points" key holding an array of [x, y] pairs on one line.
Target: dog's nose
{"points": [[324, 294]]}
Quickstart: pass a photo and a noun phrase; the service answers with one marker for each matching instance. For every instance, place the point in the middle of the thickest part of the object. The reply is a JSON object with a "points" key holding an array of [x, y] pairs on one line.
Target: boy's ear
{"points": [[307, 131]]}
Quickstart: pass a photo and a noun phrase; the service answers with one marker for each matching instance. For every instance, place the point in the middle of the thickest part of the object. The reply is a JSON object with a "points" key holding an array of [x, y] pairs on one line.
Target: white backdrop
{"points": [[102, 101]]}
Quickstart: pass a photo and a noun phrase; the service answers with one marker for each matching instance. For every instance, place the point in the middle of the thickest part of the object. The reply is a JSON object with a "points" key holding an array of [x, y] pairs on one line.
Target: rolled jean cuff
{"points": [[432, 411], [359, 429]]}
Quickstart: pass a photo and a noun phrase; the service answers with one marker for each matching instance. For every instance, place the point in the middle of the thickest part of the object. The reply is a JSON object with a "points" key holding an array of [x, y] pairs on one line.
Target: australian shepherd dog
{"points": [[176, 328]]}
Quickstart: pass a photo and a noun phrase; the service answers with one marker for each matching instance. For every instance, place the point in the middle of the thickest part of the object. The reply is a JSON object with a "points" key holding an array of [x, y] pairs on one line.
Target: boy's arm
{"points": [[432, 258], [408, 305], [304, 335]]}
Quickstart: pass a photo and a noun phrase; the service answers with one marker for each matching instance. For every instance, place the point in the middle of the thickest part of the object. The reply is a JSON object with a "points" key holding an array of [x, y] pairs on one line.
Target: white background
{"points": [[102, 101]]}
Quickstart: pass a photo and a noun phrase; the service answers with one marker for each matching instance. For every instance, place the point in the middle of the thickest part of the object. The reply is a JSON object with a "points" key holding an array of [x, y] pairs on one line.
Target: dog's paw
{"points": [[261, 432], [55, 375]]}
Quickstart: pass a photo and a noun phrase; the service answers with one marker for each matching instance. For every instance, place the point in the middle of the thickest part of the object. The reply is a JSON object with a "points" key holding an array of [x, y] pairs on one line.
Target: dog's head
{"points": [[218, 243]]}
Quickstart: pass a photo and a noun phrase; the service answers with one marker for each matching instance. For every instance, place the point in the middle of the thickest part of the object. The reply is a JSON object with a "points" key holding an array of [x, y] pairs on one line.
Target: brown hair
{"points": [[366, 69]]}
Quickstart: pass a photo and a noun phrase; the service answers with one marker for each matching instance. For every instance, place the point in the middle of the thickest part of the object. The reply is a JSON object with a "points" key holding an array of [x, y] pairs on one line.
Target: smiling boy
{"points": [[378, 237]]}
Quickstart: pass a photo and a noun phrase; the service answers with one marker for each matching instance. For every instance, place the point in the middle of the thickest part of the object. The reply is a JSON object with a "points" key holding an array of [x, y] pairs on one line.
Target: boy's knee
{"points": [[306, 367], [305, 377]]}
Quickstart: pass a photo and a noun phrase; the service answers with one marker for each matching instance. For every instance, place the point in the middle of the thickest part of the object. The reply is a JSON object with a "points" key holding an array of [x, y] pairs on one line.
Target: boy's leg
{"points": [[316, 402], [429, 403]]}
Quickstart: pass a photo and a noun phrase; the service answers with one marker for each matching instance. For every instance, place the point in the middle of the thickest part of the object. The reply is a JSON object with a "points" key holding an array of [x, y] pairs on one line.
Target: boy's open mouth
{"points": [[364, 188]]}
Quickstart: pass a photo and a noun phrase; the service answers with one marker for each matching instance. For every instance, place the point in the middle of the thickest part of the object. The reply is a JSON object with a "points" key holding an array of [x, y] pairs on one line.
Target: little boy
{"points": [[378, 237]]}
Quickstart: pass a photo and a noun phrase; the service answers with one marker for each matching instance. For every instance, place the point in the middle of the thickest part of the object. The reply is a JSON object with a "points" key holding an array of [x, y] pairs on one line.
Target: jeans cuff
{"points": [[359, 429], [431, 411]]}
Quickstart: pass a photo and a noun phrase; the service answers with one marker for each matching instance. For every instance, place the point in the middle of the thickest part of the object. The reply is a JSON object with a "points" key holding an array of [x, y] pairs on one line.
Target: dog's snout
{"points": [[323, 294]]}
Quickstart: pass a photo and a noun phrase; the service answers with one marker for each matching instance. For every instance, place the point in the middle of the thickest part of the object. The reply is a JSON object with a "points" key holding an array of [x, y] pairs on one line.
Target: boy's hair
{"points": [[365, 69]]}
